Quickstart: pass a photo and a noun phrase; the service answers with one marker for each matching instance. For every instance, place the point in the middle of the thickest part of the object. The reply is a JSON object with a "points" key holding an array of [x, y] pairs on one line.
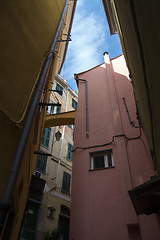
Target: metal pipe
{"points": [[87, 119], [42, 104], [60, 160], [129, 118], [9, 190]]}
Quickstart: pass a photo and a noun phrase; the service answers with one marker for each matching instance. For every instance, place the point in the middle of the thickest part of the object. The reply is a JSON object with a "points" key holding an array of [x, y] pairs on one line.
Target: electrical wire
{"points": [[109, 143]]}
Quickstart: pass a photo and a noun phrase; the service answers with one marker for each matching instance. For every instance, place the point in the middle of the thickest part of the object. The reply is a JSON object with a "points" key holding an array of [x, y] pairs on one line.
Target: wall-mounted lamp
{"points": [[58, 135]]}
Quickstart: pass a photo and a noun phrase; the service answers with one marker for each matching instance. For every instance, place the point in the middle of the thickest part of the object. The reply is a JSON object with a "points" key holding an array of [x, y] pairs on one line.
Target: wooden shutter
{"points": [[69, 153], [41, 163], [74, 104], [46, 137], [66, 182]]}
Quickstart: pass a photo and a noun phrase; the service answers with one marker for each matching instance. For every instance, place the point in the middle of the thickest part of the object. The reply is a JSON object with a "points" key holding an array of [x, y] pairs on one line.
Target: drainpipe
{"points": [[59, 162], [87, 119], [64, 125], [10, 187]]}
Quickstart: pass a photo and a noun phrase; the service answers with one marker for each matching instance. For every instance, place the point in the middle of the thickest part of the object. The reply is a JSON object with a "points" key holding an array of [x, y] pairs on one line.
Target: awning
{"points": [[65, 118], [27, 31], [146, 197]]}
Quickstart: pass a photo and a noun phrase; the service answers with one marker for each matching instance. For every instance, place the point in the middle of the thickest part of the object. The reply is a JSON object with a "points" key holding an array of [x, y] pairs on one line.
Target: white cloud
{"points": [[88, 35], [80, 3]]}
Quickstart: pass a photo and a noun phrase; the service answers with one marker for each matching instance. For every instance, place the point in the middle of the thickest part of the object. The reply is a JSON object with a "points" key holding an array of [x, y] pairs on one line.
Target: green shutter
{"points": [[69, 153], [74, 104], [66, 182], [58, 110], [30, 223], [41, 163], [46, 137]]}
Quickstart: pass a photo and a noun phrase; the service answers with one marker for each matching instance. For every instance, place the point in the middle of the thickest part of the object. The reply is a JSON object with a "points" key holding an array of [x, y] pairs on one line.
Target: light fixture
{"points": [[58, 135]]}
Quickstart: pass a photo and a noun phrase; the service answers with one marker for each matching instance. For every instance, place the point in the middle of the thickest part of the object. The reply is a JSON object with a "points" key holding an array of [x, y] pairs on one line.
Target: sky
{"points": [[90, 39]]}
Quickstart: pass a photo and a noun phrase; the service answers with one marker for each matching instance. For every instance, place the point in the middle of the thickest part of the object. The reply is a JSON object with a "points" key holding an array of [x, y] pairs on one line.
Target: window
{"points": [[71, 126], [60, 89], [66, 182], [102, 160], [69, 153], [50, 109], [58, 110], [41, 163], [74, 104], [46, 137], [65, 210]]}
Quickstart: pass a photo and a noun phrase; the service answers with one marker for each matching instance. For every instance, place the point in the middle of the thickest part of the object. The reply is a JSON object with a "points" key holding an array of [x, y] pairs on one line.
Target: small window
{"points": [[66, 182], [41, 163], [69, 153], [59, 89], [74, 104], [46, 137], [50, 109], [71, 126], [102, 160], [58, 110]]}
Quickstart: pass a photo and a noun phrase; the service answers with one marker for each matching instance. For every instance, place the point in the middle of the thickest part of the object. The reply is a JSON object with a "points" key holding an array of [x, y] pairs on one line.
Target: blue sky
{"points": [[90, 39]]}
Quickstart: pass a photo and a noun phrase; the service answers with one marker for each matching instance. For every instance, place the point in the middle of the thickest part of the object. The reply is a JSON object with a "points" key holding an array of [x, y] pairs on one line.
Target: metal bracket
{"points": [[42, 153], [55, 91], [43, 104], [65, 40]]}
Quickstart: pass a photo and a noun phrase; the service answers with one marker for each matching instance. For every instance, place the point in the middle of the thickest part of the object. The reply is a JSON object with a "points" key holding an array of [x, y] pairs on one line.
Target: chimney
{"points": [[106, 58]]}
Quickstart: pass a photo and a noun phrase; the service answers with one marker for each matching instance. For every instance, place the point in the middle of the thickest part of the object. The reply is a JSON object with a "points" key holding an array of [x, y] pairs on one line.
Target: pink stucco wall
{"points": [[101, 208]]}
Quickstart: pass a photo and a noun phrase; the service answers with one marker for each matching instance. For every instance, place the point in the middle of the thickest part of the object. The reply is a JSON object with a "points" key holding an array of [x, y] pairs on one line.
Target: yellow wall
{"points": [[53, 195], [27, 31]]}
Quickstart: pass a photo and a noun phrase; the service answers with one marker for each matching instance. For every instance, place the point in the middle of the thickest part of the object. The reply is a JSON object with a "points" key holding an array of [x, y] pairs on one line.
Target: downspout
{"points": [[87, 119], [10, 187], [59, 162], [64, 126], [69, 31]]}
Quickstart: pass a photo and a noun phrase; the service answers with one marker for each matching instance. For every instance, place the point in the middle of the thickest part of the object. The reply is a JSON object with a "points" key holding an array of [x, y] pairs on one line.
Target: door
{"points": [[63, 226]]}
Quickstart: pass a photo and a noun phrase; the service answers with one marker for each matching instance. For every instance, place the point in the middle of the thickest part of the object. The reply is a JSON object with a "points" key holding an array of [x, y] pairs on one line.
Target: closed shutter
{"points": [[74, 104], [46, 137], [41, 163], [66, 182], [58, 110], [69, 153]]}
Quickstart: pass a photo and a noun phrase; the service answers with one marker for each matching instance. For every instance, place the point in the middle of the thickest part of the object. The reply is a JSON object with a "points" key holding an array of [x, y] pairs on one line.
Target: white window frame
{"points": [[105, 154]]}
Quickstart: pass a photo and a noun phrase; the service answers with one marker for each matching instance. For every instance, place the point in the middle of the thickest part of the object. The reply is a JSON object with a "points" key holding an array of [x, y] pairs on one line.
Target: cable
{"points": [[105, 144]]}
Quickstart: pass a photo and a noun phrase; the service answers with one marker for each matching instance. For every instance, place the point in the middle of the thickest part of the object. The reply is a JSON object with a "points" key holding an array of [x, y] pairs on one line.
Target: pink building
{"points": [[111, 157]]}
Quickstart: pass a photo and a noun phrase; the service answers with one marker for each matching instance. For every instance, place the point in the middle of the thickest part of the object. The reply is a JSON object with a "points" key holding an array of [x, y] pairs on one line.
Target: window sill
{"points": [[65, 192], [91, 170], [45, 146], [41, 171], [69, 160]]}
